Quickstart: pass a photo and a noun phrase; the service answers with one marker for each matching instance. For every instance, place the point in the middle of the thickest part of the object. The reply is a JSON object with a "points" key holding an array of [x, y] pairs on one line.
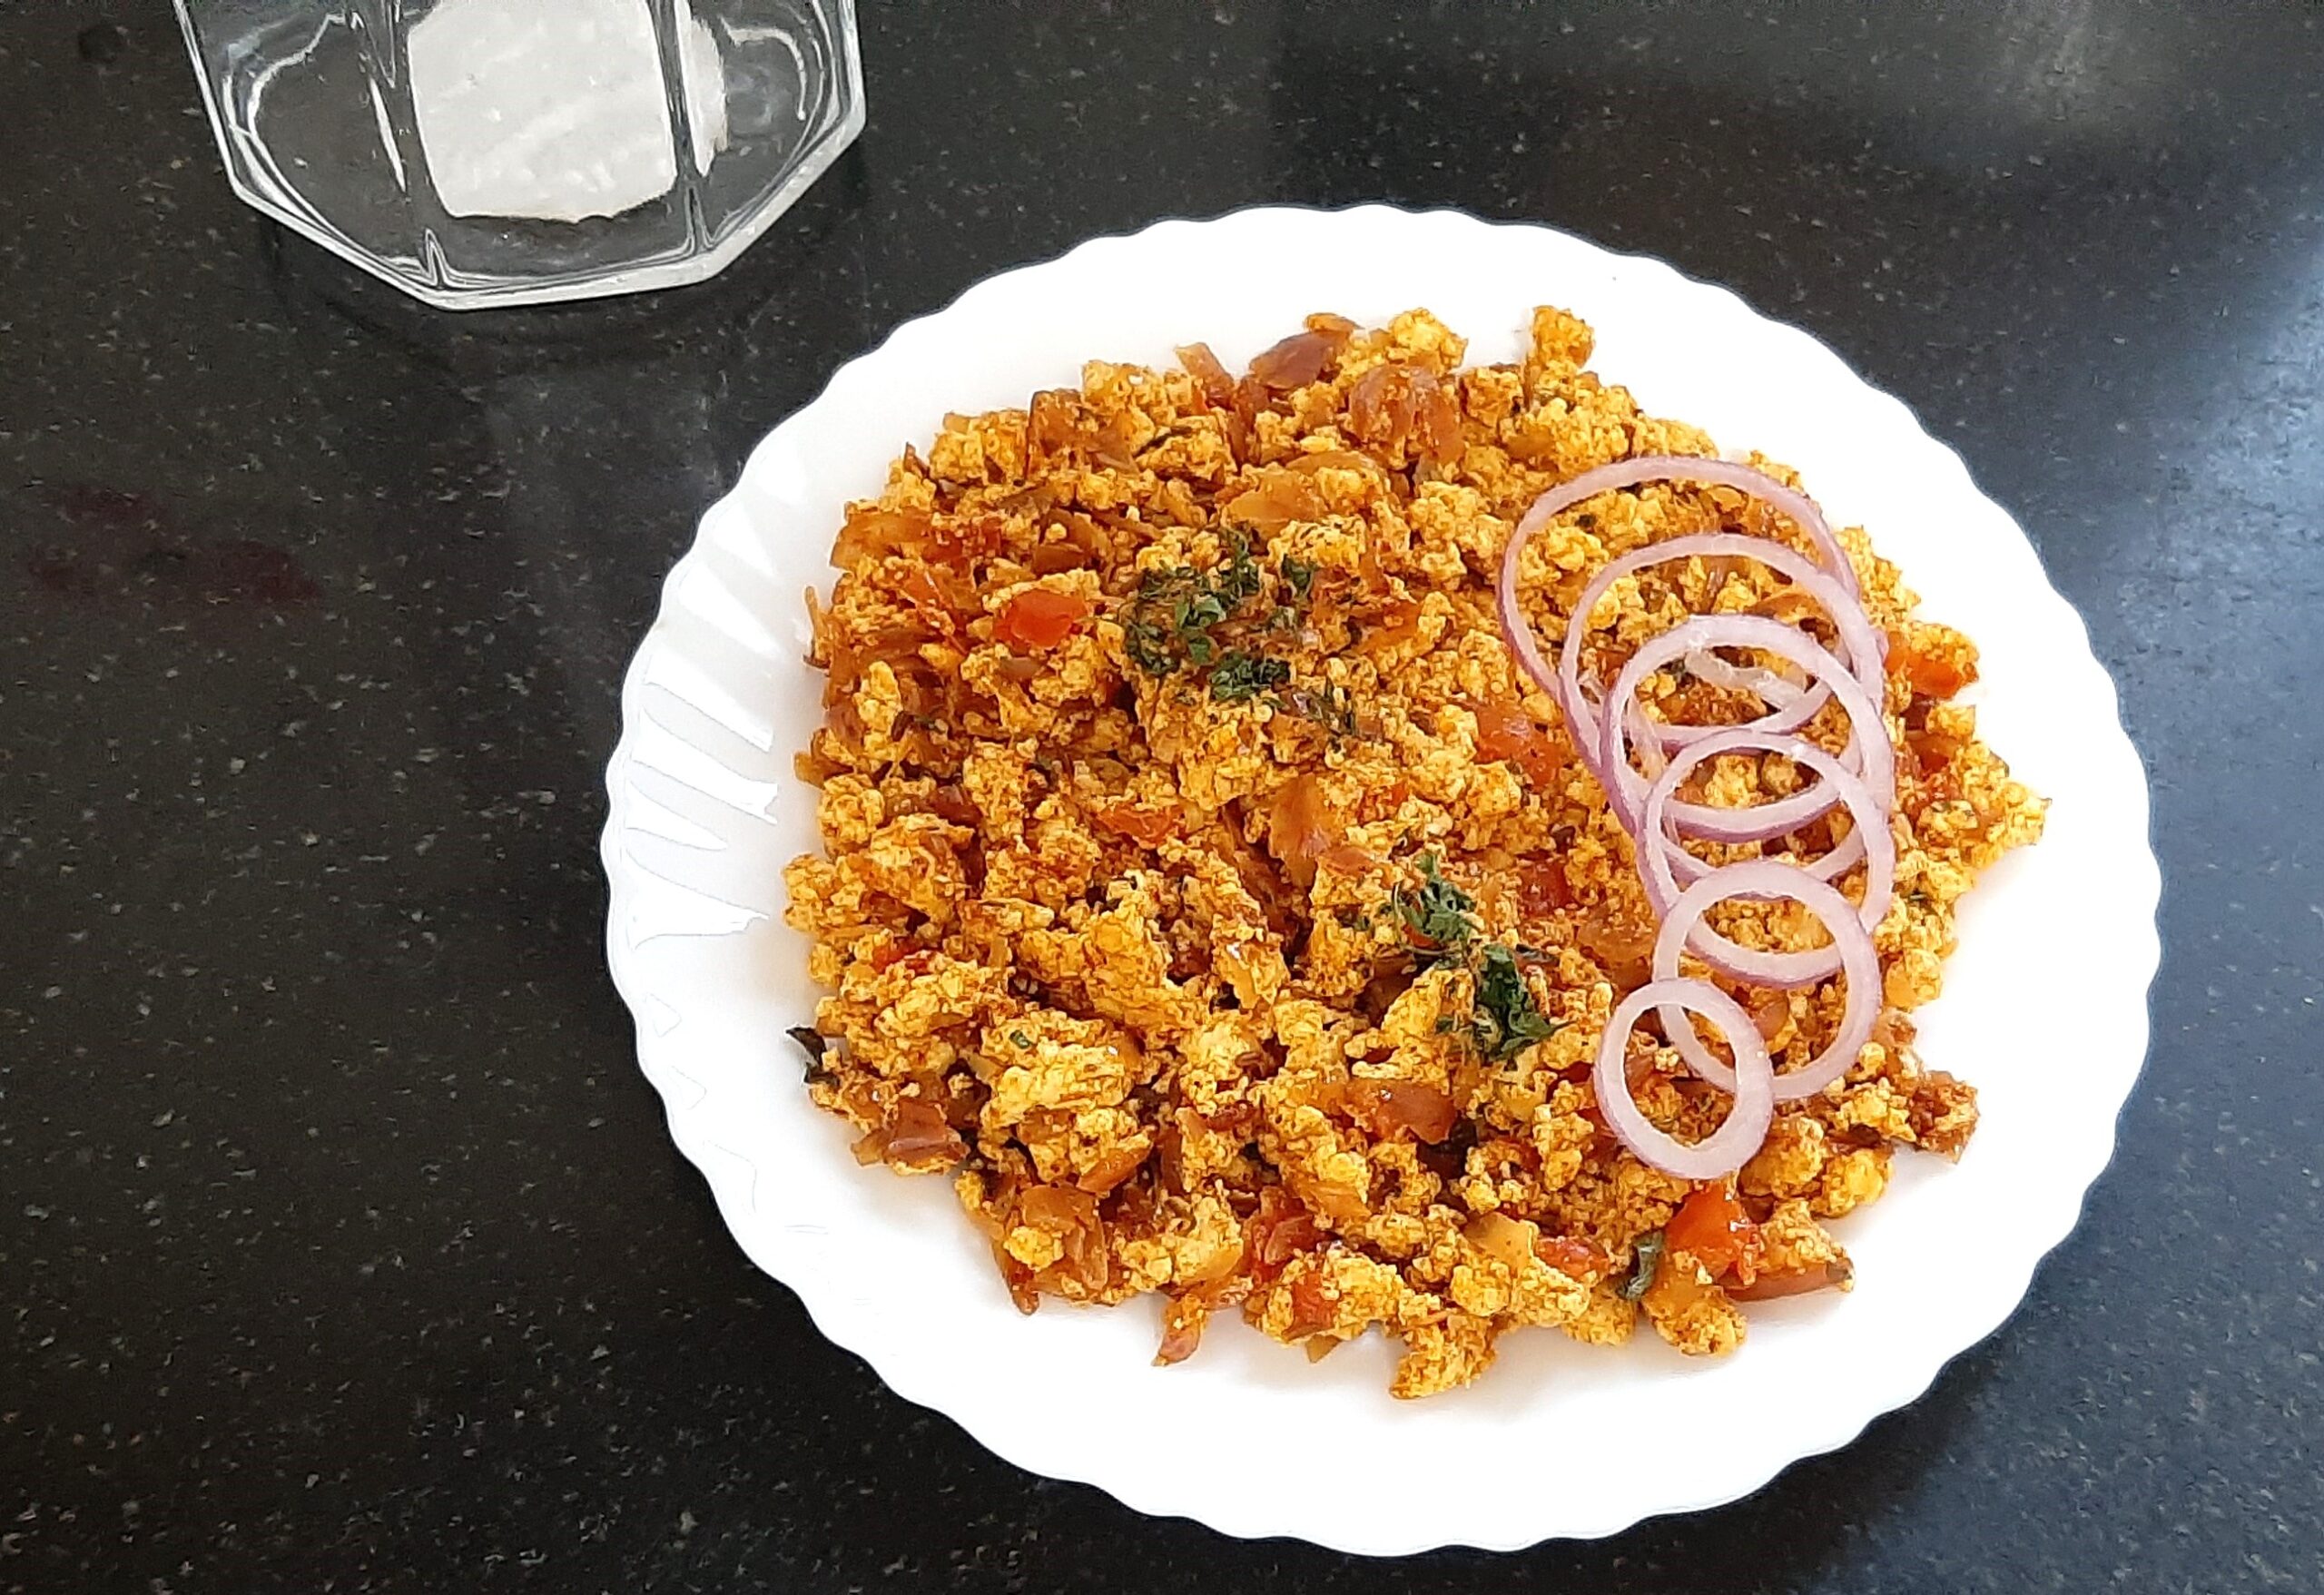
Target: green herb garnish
{"points": [[1649, 1262], [1179, 617], [1440, 912], [1296, 572], [1246, 676], [1149, 646], [1508, 1021], [1504, 1020], [1022, 1039], [1329, 706]]}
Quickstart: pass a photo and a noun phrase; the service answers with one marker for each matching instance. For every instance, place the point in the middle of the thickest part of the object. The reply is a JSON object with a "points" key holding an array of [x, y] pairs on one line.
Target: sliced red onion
{"points": [[1518, 631], [1859, 639], [1777, 691], [1752, 1081], [1659, 852], [1650, 748], [1684, 888], [1830, 573], [1626, 788], [1686, 869], [1766, 880], [1852, 955]]}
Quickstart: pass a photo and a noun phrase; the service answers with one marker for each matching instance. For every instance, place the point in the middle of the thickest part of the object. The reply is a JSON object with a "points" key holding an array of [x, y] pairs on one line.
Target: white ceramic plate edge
{"points": [[901, 1351]]}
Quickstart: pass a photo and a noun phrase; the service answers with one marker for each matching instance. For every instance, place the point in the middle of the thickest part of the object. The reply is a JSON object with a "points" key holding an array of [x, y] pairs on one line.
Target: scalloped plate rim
{"points": [[912, 1376]]}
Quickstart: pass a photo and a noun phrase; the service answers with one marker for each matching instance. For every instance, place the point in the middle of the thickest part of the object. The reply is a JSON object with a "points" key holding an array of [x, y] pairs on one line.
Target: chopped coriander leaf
{"points": [[1504, 1019], [1439, 911], [1246, 676], [1329, 706], [1019, 1038], [1171, 621], [1297, 573], [1147, 647], [1508, 1020], [1241, 577]]}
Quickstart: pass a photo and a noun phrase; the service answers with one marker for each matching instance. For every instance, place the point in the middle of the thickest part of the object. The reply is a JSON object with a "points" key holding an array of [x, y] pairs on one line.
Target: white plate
{"points": [[2044, 1006]]}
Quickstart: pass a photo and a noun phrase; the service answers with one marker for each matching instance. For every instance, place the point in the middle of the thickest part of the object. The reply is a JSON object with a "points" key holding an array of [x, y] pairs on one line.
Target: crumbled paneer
{"points": [[1207, 893]]}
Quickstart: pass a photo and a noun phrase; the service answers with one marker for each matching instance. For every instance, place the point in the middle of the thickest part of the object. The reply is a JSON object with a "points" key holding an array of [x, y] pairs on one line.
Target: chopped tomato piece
{"points": [[1039, 617], [1712, 1226], [1386, 1107], [1576, 1259], [1542, 888], [1926, 674], [1311, 1306], [1933, 750], [1147, 827], [1623, 948], [1505, 731], [1279, 1231], [1767, 1288]]}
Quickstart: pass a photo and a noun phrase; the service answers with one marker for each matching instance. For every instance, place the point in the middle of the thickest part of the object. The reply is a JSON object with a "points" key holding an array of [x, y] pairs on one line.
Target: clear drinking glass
{"points": [[515, 151]]}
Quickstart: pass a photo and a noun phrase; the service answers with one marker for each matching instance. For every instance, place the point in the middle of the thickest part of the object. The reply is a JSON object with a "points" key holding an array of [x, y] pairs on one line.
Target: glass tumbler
{"points": [[481, 152]]}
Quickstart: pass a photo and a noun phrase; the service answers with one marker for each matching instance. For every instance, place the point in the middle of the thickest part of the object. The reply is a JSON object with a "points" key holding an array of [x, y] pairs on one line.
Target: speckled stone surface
{"points": [[341, 1248]]}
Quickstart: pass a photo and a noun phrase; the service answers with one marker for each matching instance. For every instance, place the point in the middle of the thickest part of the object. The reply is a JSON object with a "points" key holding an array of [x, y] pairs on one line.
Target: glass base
{"points": [[506, 153]]}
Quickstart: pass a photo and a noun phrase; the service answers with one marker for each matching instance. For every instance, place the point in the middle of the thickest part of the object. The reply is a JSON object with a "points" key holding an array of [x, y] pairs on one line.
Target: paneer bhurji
{"points": [[1213, 893]]}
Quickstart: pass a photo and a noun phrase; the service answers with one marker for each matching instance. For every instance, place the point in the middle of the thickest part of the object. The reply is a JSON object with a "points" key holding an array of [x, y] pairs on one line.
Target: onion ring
{"points": [[1626, 789], [1861, 778], [1858, 635], [1861, 640], [1874, 845], [1851, 954], [1724, 1149]]}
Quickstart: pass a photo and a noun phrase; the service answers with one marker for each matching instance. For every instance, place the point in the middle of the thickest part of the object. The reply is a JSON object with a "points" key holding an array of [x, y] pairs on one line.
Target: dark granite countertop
{"points": [[340, 1245]]}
